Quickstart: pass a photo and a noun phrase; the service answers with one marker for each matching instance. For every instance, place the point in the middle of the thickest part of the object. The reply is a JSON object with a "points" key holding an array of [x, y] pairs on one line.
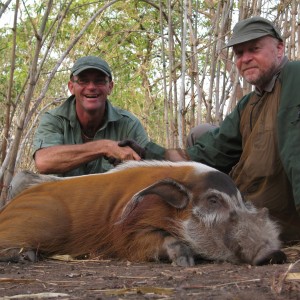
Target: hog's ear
{"points": [[169, 190]]}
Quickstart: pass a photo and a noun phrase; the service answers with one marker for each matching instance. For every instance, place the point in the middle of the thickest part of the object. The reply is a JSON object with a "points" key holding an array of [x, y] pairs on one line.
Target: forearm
{"points": [[63, 158]]}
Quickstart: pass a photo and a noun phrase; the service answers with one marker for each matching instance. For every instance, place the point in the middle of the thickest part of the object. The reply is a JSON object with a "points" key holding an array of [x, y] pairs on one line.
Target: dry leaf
{"points": [[293, 276], [62, 257]]}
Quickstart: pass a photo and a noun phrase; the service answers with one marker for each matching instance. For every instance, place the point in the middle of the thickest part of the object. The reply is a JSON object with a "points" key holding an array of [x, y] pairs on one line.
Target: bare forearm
{"points": [[63, 158]]}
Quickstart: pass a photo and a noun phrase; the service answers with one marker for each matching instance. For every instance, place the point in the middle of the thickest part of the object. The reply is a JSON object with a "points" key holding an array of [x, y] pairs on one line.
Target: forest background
{"points": [[169, 61]]}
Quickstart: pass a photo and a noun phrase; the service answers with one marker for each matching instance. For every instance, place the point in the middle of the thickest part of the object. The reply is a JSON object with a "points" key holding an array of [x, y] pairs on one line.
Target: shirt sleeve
{"points": [[154, 151], [220, 148], [289, 127], [137, 132], [49, 132]]}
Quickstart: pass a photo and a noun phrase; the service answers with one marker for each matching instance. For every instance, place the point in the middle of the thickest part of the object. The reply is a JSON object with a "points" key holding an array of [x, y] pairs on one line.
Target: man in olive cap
{"points": [[82, 135], [258, 144]]}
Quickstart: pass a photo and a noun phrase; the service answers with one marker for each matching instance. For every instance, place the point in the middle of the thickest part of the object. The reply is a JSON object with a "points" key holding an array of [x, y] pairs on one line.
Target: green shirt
{"points": [[60, 126]]}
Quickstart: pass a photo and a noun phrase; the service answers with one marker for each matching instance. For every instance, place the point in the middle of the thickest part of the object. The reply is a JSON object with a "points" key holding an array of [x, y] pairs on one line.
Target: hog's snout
{"points": [[257, 237], [275, 257]]}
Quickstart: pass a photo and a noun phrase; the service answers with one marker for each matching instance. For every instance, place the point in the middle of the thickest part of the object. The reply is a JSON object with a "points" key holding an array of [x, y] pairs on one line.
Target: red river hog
{"points": [[140, 211]]}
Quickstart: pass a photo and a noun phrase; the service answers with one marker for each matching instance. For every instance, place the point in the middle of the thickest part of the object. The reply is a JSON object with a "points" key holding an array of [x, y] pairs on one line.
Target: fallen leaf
{"points": [[293, 276], [63, 257]]}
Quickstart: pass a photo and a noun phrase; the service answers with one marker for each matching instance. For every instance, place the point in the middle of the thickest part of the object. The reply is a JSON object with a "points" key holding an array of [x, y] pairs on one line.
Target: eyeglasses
{"points": [[85, 82]]}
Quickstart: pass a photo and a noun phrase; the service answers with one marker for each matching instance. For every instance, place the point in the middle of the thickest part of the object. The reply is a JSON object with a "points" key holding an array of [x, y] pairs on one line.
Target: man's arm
{"points": [[289, 126], [58, 147], [220, 148], [63, 158]]}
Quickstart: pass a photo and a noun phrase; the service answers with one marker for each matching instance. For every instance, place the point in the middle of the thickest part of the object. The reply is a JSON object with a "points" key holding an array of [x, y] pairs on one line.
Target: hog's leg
{"points": [[152, 244], [178, 252], [18, 255]]}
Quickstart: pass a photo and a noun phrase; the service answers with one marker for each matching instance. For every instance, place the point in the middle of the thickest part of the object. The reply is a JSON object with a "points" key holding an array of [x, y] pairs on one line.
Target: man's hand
{"points": [[134, 146], [113, 161]]}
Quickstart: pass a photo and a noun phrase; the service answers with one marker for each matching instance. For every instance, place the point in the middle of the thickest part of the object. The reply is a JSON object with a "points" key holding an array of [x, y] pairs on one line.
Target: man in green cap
{"points": [[82, 135], [258, 144]]}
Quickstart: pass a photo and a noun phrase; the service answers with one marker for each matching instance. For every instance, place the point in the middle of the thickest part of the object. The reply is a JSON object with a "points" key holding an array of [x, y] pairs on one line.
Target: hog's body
{"points": [[141, 212]]}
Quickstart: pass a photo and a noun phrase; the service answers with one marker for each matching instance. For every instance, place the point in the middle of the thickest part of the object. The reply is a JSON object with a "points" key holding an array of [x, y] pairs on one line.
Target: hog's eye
{"points": [[213, 200]]}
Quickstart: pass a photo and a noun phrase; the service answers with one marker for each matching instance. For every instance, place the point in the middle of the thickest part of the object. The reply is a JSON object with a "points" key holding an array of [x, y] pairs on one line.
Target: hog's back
{"points": [[77, 215]]}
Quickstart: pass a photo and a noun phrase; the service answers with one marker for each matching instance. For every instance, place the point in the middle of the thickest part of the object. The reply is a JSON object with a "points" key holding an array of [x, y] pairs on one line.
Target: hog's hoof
{"points": [[16, 255], [184, 261], [275, 257], [178, 252]]}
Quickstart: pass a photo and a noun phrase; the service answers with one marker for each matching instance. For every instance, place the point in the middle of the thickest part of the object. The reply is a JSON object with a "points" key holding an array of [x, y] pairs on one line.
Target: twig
{"points": [[219, 285], [278, 288]]}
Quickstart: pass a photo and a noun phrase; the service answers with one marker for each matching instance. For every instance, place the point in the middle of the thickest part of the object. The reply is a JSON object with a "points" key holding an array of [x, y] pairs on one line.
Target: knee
{"points": [[198, 131]]}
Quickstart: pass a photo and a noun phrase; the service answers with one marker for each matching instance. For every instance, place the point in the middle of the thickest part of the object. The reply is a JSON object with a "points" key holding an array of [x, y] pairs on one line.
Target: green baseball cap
{"points": [[251, 29], [91, 62]]}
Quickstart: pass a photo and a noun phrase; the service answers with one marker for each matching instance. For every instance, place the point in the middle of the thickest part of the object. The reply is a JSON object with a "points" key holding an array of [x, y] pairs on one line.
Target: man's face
{"points": [[257, 60], [91, 88]]}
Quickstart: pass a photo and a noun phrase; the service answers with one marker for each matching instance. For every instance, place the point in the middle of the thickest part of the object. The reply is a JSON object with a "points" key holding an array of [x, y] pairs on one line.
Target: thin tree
{"points": [[181, 103], [10, 85]]}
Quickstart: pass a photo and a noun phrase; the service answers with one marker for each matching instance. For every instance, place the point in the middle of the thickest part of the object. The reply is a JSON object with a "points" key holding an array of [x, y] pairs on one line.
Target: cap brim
{"points": [[245, 38], [90, 67]]}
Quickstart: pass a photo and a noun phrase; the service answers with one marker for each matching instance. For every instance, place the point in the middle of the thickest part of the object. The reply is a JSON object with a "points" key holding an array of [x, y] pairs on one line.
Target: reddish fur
{"points": [[153, 218], [78, 216]]}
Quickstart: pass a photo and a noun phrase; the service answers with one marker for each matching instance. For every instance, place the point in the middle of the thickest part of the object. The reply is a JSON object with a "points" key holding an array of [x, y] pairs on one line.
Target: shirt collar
{"points": [[269, 87]]}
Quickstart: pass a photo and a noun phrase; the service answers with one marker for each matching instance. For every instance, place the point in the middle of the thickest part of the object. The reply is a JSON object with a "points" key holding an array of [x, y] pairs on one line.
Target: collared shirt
{"points": [[60, 126]]}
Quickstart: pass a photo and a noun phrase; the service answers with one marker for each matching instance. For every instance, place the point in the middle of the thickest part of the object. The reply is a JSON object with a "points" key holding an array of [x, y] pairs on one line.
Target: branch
{"points": [[4, 7]]}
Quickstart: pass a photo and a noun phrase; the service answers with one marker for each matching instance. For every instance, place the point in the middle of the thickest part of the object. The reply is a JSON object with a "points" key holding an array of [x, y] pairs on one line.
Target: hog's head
{"points": [[223, 227]]}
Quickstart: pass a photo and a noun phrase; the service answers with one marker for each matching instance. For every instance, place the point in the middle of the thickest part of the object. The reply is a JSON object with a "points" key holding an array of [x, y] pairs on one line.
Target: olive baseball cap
{"points": [[91, 62], [251, 29]]}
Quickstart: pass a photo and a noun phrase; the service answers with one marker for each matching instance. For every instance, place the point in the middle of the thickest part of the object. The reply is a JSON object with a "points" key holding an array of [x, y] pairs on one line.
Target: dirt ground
{"points": [[106, 279]]}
